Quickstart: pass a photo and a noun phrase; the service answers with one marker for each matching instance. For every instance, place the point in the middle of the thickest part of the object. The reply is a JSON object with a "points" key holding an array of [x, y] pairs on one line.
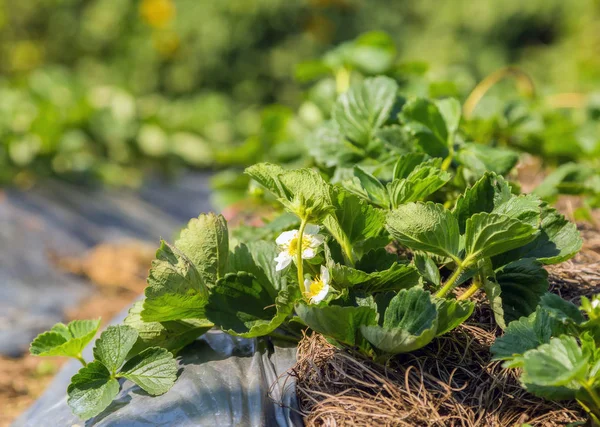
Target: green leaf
{"points": [[487, 235], [172, 335], [91, 390], [397, 277], [353, 221], [257, 258], [114, 345], [451, 111], [408, 163], [329, 148], [395, 139], [309, 194], [558, 363], [488, 192], [426, 227], [154, 370], [422, 182], [481, 158], [452, 313], [519, 336], [557, 241], [564, 311], [425, 121], [493, 292], [409, 323], [427, 268], [64, 340], [492, 194], [364, 108], [175, 288], [267, 175], [340, 323], [368, 187], [242, 306], [205, 242], [522, 285]]}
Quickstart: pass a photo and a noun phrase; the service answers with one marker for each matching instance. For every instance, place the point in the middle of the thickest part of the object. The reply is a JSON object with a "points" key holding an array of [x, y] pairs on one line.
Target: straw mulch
{"points": [[451, 382]]}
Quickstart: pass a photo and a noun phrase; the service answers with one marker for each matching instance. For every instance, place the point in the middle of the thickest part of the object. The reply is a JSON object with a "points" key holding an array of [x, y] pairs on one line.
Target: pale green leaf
{"points": [[205, 243], [452, 313], [154, 370], [426, 227], [555, 364], [451, 111], [421, 182], [63, 340], [408, 163], [364, 108], [557, 241], [114, 345], [257, 258], [487, 235], [171, 335], [175, 288], [481, 158], [91, 390], [368, 187]]}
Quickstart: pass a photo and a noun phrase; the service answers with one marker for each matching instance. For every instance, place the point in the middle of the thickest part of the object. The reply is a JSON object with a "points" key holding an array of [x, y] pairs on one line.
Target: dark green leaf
{"points": [[427, 268], [91, 390], [410, 322], [242, 306], [482, 158], [154, 370], [340, 323]]}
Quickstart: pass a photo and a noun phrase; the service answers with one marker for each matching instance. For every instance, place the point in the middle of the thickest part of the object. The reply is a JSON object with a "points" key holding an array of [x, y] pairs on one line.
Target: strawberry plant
{"points": [[557, 349]]}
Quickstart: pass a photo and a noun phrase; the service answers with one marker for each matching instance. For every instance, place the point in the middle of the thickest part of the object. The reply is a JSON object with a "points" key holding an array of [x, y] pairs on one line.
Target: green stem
{"points": [[299, 262], [450, 283], [470, 292], [595, 398], [82, 360]]}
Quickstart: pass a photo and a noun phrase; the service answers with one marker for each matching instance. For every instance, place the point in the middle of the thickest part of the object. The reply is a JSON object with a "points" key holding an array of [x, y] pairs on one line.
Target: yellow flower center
{"points": [[315, 287], [293, 248]]}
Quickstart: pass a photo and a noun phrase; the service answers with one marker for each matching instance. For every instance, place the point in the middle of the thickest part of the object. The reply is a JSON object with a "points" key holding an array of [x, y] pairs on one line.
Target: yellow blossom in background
{"points": [[157, 13]]}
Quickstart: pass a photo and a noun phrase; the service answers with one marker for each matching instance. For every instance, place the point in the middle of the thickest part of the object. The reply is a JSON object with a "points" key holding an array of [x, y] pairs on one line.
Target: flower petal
{"points": [[325, 275], [316, 240], [311, 229], [308, 253], [286, 237], [321, 295], [307, 285], [283, 260]]}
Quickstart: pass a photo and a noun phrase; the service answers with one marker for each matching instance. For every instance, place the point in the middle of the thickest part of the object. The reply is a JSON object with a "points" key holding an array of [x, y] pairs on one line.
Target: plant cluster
{"points": [[556, 348], [381, 249]]}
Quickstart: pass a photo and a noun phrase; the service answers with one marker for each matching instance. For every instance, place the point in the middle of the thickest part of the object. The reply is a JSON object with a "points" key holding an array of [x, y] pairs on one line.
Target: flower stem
{"points": [[451, 281], [470, 292], [82, 360], [595, 398], [299, 262]]}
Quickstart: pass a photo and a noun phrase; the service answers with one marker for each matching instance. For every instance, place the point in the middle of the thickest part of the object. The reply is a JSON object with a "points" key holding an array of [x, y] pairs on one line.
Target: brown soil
{"points": [[119, 272], [451, 382]]}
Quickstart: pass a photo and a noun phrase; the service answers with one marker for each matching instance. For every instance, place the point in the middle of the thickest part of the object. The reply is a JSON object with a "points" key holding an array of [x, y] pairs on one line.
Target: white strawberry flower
{"points": [[289, 246], [317, 289]]}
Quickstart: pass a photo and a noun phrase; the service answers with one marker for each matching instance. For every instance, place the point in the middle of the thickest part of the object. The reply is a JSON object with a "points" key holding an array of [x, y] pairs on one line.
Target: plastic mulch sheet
{"points": [[67, 220], [223, 381]]}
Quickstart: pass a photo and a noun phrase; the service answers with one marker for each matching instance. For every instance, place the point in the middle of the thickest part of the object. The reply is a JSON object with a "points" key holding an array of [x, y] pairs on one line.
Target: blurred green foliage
{"points": [[106, 89]]}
